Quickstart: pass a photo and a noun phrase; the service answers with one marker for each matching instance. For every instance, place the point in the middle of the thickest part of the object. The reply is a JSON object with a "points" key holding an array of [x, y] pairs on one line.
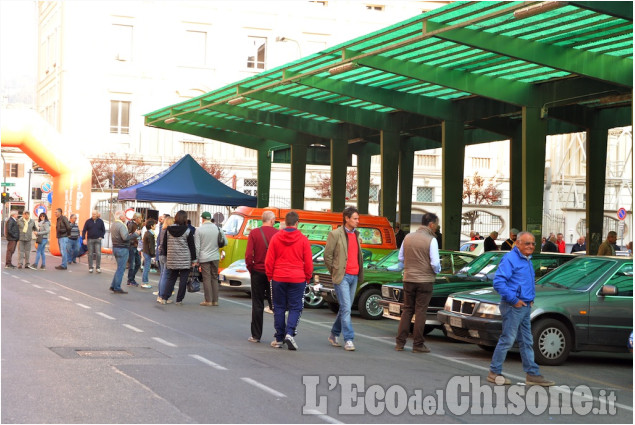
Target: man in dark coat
{"points": [[489, 244]]}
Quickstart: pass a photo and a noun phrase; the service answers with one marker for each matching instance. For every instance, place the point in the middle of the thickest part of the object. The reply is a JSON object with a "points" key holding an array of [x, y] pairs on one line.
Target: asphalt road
{"points": [[73, 352]]}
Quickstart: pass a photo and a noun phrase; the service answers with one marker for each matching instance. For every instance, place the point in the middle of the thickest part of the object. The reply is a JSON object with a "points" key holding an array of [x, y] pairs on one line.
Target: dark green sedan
{"points": [[477, 274], [368, 293], [585, 305]]}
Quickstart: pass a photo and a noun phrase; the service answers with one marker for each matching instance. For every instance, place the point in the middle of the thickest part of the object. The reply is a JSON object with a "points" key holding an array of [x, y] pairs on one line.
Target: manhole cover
{"points": [[103, 354]]}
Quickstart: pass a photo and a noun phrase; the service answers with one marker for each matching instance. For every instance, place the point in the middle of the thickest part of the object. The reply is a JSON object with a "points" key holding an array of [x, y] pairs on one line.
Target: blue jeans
{"points": [[135, 263], [40, 253], [163, 271], [121, 257], [287, 296], [516, 324], [147, 262], [345, 292], [63, 242], [72, 245]]}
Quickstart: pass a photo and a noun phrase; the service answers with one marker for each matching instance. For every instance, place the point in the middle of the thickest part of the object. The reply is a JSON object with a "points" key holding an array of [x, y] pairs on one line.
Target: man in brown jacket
{"points": [[421, 264], [607, 247], [343, 259]]}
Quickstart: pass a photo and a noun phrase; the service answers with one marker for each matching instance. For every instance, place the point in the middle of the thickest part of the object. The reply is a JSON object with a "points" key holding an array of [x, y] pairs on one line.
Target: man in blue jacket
{"points": [[515, 282], [92, 234]]}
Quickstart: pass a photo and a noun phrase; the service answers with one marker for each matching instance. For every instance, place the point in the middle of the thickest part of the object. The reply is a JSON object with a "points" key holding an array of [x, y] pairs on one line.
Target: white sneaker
{"points": [[98, 270], [90, 270], [268, 310], [333, 340], [291, 344], [276, 344], [349, 346]]}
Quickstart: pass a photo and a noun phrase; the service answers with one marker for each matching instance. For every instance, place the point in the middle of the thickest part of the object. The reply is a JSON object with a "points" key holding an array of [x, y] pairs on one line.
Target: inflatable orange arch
{"points": [[71, 171]]}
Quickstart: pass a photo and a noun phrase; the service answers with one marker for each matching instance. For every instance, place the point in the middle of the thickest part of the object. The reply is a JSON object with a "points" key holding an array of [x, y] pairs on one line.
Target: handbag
{"points": [[39, 239], [194, 280]]}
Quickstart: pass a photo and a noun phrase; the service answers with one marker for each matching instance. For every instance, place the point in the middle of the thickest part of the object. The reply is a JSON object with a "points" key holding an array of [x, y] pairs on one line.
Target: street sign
{"points": [[7, 184], [39, 209], [49, 197], [46, 187], [621, 213], [130, 213]]}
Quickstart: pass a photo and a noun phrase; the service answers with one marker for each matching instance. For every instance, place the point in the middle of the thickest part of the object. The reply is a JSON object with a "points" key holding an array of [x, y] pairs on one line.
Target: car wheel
{"points": [[368, 305], [552, 342], [334, 307], [311, 300]]}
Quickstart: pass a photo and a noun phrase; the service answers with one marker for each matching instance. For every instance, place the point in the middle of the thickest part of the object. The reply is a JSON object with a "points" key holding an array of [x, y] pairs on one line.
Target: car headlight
{"points": [[385, 292], [489, 309], [448, 304]]}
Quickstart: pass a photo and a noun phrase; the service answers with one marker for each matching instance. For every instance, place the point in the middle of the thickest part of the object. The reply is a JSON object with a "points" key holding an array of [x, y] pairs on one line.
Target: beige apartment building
{"points": [[103, 64]]}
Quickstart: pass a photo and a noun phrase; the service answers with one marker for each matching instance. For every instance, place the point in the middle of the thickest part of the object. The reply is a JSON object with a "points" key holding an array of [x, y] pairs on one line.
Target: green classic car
{"points": [[368, 293], [585, 305], [477, 274]]}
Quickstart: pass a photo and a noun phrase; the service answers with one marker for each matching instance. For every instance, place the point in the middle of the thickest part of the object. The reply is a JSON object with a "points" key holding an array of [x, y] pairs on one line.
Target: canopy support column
{"points": [[298, 175], [363, 179], [264, 177], [453, 162], [339, 152], [389, 158], [406, 169], [515, 181], [534, 144], [596, 150]]}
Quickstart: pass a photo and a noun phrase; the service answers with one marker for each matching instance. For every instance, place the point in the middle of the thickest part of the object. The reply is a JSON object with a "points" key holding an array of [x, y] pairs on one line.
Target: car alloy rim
{"points": [[372, 305], [551, 343], [310, 298]]}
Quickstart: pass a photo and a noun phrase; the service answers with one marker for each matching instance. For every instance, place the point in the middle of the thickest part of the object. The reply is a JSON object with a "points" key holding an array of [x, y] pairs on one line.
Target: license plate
{"points": [[394, 308], [456, 322]]}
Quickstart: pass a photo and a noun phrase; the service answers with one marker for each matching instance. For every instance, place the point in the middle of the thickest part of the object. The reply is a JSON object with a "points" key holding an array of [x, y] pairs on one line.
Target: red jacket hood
{"points": [[289, 236]]}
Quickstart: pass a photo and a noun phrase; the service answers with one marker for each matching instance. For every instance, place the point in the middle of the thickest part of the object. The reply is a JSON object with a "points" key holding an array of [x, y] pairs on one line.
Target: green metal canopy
{"points": [[476, 71]]}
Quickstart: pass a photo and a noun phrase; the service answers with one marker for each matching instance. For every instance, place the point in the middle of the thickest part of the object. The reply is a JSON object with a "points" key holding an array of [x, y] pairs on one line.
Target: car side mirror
{"points": [[608, 290]]}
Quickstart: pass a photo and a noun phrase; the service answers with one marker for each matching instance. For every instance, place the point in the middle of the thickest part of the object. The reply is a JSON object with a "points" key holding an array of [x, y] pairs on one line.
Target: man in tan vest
{"points": [[420, 255]]}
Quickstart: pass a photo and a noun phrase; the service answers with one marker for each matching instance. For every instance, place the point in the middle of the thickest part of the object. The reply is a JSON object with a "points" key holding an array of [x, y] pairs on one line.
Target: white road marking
{"points": [[132, 328], [64, 298], [325, 418], [83, 306], [164, 342], [36, 286], [263, 387], [105, 315], [25, 281], [208, 362], [51, 292]]}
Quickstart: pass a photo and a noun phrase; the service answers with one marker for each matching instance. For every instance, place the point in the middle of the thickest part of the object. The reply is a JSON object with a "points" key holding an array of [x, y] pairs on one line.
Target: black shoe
{"points": [[60, 268], [112, 289], [9, 266], [119, 291]]}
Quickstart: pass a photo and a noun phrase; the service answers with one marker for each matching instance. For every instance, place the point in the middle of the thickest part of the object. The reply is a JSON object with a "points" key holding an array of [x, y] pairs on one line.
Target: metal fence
{"points": [[480, 221], [553, 223]]}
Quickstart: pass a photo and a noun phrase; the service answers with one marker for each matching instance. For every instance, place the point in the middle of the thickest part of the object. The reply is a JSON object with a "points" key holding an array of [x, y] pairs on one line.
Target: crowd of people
{"points": [[280, 265]]}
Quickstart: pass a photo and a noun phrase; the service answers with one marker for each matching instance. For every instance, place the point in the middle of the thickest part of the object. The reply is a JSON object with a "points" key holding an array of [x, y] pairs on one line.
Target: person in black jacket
{"points": [[489, 244], [180, 251], [399, 234], [12, 233], [550, 245], [63, 231], [92, 234]]}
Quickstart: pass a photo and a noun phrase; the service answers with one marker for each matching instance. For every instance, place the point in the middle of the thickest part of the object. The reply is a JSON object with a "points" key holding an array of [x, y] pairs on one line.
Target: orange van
{"points": [[376, 233]]}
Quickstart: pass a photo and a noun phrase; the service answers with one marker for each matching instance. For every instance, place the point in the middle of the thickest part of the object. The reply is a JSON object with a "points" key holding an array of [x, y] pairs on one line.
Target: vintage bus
{"points": [[376, 233]]}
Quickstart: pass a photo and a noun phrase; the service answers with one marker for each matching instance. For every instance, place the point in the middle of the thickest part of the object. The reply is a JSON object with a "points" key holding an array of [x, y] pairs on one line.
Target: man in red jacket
{"points": [[289, 267], [257, 246]]}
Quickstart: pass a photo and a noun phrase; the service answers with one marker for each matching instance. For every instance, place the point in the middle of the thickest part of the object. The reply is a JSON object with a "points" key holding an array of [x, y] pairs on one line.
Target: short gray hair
{"points": [[525, 233], [268, 216], [120, 215]]}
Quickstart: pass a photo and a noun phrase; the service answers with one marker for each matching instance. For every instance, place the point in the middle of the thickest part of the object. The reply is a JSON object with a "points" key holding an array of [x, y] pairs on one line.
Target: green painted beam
{"points": [[619, 9], [603, 67], [364, 156], [406, 172], [534, 143], [298, 175], [390, 142], [264, 177], [452, 170], [339, 155], [482, 85], [278, 134], [238, 139], [582, 116], [516, 180], [351, 115]]}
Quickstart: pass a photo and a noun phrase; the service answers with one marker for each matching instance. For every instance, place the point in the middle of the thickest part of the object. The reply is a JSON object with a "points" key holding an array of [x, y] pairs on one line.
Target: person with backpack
{"points": [[208, 239], [255, 254]]}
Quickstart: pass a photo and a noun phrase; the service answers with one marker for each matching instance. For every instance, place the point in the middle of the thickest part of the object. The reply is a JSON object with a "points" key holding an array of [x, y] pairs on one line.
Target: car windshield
{"points": [[232, 225], [578, 275], [389, 260], [484, 264]]}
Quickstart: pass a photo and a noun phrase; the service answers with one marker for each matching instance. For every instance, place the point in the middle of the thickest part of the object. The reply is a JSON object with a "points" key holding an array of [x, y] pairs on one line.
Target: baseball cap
{"points": [[206, 215]]}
